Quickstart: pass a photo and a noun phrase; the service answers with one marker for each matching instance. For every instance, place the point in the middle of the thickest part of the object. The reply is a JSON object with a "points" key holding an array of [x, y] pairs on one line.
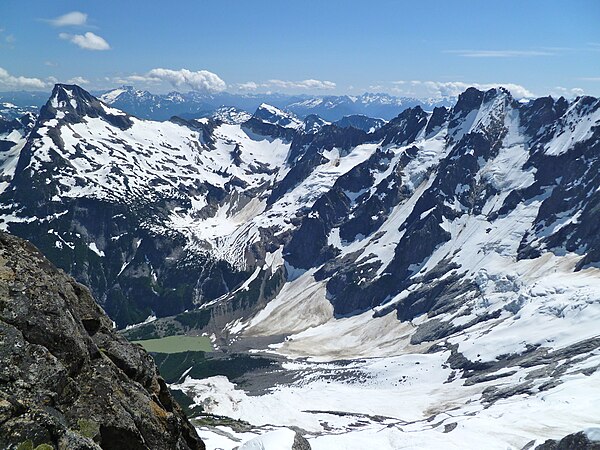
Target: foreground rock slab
{"points": [[68, 380]]}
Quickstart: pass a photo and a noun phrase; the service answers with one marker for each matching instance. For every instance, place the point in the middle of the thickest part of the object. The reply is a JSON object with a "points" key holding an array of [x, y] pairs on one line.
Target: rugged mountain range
{"points": [[116, 198], [145, 105], [383, 106], [16, 104], [193, 105], [469, 233]]}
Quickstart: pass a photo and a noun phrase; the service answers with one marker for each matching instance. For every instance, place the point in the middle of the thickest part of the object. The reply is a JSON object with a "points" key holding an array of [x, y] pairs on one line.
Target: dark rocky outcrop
{"points": [[300, 443], [404, 128], [25, 122], [67, 379], [76, 103], [573, 441], [272, 122], [360, 122]]}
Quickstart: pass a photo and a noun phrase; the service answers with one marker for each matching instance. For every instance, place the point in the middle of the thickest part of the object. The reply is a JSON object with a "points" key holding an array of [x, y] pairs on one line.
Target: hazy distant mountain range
{"points": [[189, 105]]}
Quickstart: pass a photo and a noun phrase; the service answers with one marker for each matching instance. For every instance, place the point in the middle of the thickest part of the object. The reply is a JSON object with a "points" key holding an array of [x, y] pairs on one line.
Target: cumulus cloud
{"points": [[78, 81], [201, 80], [560, 91], [87, 41], [74, 18], [248, 86], [437, 89], [19, 82], [306, 85]]}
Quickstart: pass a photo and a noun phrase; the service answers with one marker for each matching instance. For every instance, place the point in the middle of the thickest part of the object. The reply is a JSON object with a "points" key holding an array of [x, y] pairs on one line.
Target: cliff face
{"points": [[67, 379]]}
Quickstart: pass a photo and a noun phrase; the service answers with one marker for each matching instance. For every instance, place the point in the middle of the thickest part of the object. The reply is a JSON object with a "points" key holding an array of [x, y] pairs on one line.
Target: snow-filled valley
{"points": [[359, 382], [433, 282]]}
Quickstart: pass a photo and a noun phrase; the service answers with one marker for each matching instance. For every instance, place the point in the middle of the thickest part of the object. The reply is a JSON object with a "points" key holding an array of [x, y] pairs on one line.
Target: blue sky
{"points": [[319, 47]]}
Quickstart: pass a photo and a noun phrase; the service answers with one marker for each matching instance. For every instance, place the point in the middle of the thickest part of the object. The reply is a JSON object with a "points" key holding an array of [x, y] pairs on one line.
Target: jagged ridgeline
{"points": [[420, 214], [68, 380]]}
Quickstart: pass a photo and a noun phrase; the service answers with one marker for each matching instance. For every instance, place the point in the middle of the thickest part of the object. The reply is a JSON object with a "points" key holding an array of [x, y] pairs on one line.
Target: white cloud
{"points": [[500, 53], [12, 82], [87, 41], [202, 80], [74, 18], [138, 78], [248, 86], [78, 81], [577, 91], [304, 85], [437, 89], [560, 91]]}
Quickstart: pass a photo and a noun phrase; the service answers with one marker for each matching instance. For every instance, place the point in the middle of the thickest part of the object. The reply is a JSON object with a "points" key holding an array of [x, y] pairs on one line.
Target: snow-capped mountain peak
{"points": [[275, 116], [69, 98], [125, 93], [111, 96], [230, 115], [72, 104]]}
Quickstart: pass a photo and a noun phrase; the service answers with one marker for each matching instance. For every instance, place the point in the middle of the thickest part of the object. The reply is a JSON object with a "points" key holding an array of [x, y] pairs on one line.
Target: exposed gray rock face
{"points": [[67, 379], [573, 441], [300, 443]]}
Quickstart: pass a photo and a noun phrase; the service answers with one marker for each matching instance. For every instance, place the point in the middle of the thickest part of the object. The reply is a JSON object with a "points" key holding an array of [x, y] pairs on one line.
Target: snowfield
{"points": [[363, 385], [403, 402]]}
